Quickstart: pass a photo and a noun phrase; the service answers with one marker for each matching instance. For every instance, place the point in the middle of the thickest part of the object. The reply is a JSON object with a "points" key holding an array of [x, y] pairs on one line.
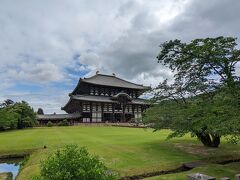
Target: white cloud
{"points": [[51, 100], [39, 73], [39, 39]]}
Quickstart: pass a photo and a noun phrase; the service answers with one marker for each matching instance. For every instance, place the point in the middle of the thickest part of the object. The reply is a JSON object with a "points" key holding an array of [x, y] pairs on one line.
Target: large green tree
{"points": [[204, 97], [8, 119], [27, 117], [16, 115]]}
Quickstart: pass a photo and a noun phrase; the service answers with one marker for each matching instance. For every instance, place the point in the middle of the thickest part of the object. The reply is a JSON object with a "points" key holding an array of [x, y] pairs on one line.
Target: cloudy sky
{"points": [[47, 45]]}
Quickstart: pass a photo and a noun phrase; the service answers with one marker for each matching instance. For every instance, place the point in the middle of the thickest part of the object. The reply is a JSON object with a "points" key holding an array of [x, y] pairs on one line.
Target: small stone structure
{"points": [[225, 178], [199, 176], [237, 177]]}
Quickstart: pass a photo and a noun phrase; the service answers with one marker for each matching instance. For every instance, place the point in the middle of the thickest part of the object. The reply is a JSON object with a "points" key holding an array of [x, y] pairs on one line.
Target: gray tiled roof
{"points": [[112, 80], [103, 99], [58, 116]]}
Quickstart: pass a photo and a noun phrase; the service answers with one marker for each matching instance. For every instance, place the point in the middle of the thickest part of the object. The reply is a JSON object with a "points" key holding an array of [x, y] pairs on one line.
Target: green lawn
{"points": [[128, 151]]}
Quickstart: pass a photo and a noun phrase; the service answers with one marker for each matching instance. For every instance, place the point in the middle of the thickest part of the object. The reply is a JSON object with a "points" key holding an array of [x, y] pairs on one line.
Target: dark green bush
{"points": [[74, 163], [49, 124], [63, 123]]}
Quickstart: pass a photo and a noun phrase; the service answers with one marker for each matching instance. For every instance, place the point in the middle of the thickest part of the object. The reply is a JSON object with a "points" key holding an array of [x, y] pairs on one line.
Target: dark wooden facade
{"points": [[106, 98]]}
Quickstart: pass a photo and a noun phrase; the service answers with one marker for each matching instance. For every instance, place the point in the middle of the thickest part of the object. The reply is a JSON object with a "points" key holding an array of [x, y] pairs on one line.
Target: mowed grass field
{"points": [[129, 151]]}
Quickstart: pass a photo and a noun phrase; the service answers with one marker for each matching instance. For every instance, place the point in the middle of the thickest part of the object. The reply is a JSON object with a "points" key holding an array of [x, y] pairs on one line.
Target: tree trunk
{"points": [[209, 140]]}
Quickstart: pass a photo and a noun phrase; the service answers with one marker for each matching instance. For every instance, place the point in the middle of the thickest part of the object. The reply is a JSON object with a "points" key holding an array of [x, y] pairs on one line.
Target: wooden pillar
{"points": [[81, 107], [113, 112], [123, 113], [102, 109], [90, 112], [133, 110], [81, 111]]}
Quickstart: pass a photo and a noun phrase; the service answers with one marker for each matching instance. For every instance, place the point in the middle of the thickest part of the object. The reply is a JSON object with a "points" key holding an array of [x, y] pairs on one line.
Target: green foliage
{"points": [[63, 123], [27, 116], [74, 163], [204, 98], [201, 58], [8, 119], [220, 115], [49, 124], [16, 115]]}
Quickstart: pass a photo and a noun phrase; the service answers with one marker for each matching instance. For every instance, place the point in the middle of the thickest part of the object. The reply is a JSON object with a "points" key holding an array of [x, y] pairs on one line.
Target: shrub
{"points": [[74, 163], [28, 122], [63, 123], [49, 124], [37, 124]]}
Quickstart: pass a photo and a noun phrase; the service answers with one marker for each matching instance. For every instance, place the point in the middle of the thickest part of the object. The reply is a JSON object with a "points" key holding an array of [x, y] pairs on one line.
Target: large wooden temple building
{"points": [[103, 98]]}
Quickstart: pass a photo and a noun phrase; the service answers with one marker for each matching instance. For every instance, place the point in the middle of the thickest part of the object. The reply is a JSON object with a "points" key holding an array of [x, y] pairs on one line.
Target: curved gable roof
{"points": [[111, 80]]}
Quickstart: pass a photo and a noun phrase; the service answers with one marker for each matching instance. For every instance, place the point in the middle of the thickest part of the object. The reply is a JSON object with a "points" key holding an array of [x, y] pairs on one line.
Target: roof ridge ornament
{"points": [[114, 74], [97, 72], [122, 97]]}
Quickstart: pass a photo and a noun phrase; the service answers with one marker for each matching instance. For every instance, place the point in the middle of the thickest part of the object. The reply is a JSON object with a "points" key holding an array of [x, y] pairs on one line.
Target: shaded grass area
{"points": [[128, 151], [215, 170]]}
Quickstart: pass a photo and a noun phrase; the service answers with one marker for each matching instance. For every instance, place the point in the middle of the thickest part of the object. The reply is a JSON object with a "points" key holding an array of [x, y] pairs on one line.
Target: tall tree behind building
{"points": [[40, 111]]}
